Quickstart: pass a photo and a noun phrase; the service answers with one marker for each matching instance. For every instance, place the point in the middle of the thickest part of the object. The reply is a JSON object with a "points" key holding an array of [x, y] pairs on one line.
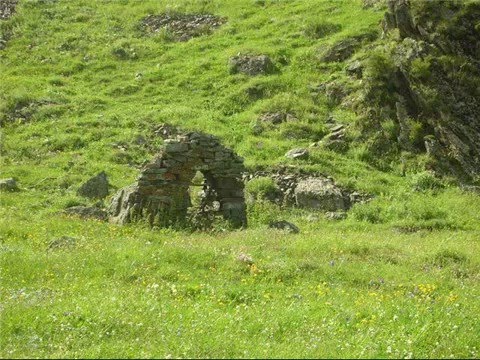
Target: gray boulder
{"points": [[341, 50], [335, 215], [299, 153], [285, 225], [251, 64], [8, 185], [320, 194], [95, 188]]}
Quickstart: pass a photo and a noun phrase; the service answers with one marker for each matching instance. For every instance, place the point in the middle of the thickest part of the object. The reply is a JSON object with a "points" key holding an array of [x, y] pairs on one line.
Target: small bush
{"points": [[262, 212], [262, 188], [417, 134], [371, 213], [426, 181], [420, 69]]}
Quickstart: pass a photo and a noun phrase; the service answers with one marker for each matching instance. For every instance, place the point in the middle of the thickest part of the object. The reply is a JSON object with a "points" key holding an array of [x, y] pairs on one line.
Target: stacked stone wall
{"points": [[161, 195]]}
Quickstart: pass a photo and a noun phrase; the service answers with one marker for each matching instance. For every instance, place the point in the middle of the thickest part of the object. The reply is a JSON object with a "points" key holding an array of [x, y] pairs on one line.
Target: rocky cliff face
{"points": [[424, 75]]}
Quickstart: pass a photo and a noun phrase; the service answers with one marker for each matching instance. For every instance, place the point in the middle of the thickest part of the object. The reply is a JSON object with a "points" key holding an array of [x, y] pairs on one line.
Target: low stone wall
{"points": [[160, 196]]}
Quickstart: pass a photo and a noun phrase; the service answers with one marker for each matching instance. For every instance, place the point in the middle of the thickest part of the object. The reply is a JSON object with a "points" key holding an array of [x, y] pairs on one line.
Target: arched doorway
{"points": [[161, 195]]}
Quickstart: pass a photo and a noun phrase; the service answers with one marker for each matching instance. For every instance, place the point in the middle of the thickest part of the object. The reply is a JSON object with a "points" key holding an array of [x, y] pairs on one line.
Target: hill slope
{"points": [[86, 85]]}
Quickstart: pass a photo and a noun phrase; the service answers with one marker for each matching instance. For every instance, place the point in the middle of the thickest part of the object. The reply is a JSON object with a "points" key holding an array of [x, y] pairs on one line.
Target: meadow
{"points": [[82, 83]]}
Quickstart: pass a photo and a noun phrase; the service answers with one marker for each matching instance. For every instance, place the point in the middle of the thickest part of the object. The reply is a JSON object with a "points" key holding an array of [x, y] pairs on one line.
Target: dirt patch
{"points": [[182, 27], [7, 8]]}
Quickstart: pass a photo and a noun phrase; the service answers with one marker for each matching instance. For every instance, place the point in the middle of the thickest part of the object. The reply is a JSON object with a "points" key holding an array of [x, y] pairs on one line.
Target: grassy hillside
{"points": [[83, 88]]}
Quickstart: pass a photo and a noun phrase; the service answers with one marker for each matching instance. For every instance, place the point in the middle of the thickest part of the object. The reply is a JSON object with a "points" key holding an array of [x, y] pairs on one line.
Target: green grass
{"points": [[398, 278]]}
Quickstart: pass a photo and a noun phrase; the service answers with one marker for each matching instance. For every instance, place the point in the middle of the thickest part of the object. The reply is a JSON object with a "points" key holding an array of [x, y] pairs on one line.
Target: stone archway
{"points": [[161, 195]]}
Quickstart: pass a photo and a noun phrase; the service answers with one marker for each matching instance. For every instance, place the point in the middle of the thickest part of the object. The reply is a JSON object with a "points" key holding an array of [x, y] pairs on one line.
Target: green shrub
{"points": [[262, 187], [262, 212], [420, 69], [417, 134], [371, 213], [426, 181]]}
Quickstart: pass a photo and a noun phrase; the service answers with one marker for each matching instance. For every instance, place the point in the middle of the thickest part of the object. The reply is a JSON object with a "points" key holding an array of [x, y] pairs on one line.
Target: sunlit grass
{"points": [[398, 278]]}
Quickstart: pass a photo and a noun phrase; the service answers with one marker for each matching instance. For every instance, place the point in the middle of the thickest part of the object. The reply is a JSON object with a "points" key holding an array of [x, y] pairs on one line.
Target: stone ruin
{"points": [[161, 194]]}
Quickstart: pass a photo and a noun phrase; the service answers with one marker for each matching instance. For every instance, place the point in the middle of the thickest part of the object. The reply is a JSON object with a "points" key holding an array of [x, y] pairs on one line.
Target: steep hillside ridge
{"points": [[422, 85]]}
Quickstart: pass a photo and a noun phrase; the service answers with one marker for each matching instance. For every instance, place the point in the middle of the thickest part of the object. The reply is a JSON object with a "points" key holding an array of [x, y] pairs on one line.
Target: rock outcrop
{"points": [[320, 194], [426, 82], [313, 191], [95, 187]]}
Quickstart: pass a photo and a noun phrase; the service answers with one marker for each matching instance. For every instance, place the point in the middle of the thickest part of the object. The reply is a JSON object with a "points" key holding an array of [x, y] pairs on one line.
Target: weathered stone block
{"points": [[321, 194], [175, 147]]}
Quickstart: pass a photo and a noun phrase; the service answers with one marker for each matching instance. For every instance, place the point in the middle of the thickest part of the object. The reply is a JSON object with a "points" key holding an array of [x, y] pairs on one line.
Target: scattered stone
{"points": [[273, 118], [340, 51], [257, 129], [7, 8], [287, 182], [251, 65], [355, 69], [312, 218], [245, 258], [398, 16], [87, 212], [140, 140], [161, 194], [320, 194], [8, 185], [298, 153], [285, 225], [276, 118], [336, 139], [471, 189], [95, 188], [356, 197], [335, 215], [335, 91], [166, 131], [183, 27], [62, 243]]}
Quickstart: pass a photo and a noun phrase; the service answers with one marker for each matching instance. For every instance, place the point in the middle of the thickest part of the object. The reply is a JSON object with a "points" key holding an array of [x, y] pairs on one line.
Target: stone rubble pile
{"points": [[183, 27], [311, 191], [7, 8]]}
